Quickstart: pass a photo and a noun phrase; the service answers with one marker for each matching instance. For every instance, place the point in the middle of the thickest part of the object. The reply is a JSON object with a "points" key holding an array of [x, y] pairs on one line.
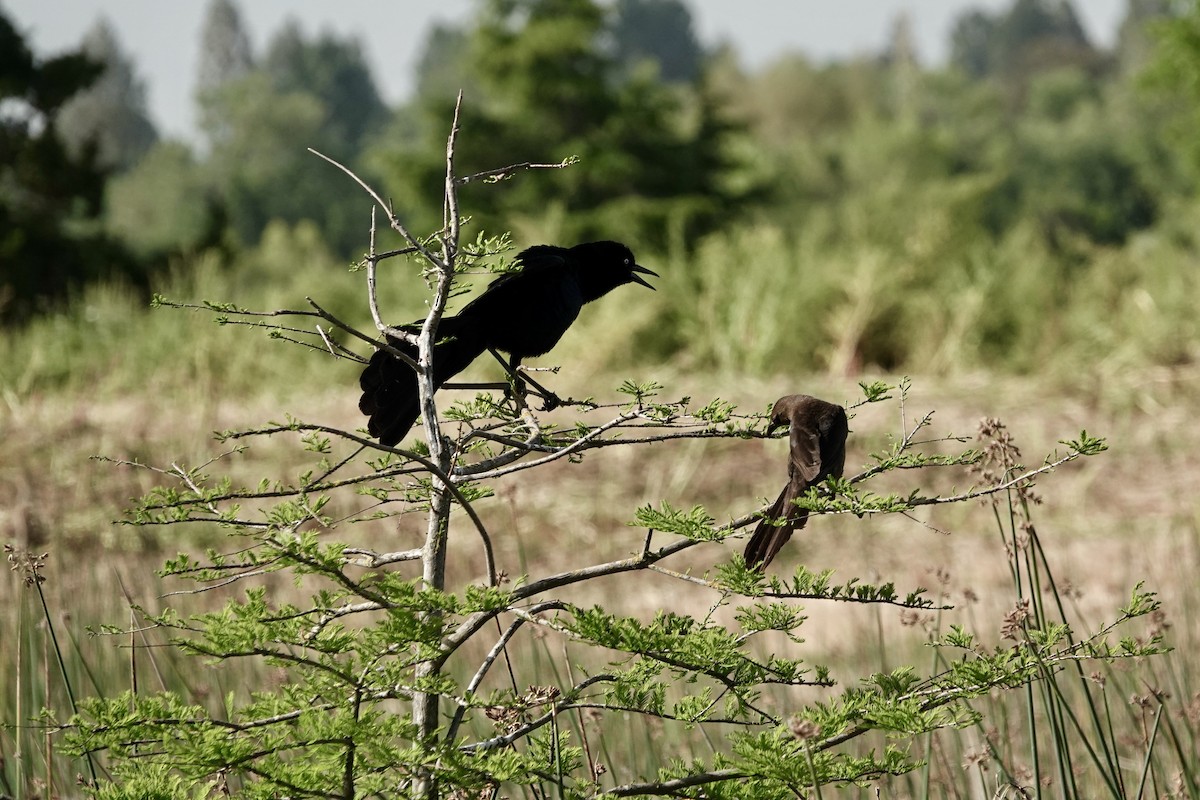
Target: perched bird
{"points": [[522, 313], [817, 449]]}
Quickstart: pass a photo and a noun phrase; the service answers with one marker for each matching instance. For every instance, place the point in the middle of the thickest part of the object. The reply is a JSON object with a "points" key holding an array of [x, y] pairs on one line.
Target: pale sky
{"points": [[163, 36]]}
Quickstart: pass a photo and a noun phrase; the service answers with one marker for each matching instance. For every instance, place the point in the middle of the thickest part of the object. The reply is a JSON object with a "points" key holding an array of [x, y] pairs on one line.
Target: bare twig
{"points": [[373, 301], [503, 173], [393, 220]]}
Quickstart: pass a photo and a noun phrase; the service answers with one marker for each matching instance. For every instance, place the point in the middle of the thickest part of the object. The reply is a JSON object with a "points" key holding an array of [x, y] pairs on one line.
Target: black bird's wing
{"points": [[835, 428], [525, 313], [537, 264]]}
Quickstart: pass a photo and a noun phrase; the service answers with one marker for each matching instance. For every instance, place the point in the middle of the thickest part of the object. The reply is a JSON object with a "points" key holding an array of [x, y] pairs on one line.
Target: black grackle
{"points": [[522, 313]]}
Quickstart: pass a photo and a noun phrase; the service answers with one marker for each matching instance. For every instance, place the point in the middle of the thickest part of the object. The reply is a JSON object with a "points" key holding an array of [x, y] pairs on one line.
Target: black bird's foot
{"points": [[550, 401], [517, 393]]}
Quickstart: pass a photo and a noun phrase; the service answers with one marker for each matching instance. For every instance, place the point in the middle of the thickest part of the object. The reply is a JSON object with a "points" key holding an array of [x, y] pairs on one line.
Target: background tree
{"points": [[903, 63], [1031, 36], [659, 31], [333, 71], [225, 52], [111, 112], [50, 194], [548, 87], [225, 56], [442, 66], [1174, 74], [1135, 40], [971, 43], [165, 205], [306, 93]]}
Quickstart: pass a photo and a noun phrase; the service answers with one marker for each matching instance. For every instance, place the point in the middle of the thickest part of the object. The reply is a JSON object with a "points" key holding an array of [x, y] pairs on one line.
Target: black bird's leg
{"points": [[550, 400]]}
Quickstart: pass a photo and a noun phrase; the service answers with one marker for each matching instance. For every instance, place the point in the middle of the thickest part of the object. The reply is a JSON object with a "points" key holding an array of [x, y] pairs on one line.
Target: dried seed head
{"points": [[976, 758], [30, 564], [1140, 700], [1014, 620], [804, 729]]}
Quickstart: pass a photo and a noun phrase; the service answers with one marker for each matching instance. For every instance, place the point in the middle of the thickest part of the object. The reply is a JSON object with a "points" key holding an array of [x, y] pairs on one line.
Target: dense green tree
{"points": [[1135, 40], [971, 43], [544, 86], [1037, 35], [1173, 74], [225, 57], [1074, 182], [50, 197], [659, 31], [259, 166], [112, 111], [904, 67]]}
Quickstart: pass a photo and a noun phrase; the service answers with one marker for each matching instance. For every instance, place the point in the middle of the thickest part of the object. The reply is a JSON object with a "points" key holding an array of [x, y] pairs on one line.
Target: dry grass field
{"points": [[1128, 515]]}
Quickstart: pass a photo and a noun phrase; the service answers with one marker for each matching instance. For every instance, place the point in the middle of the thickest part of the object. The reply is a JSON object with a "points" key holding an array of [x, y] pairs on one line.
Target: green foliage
{"points": [[335, 72], [88, 345], [866, 214], [260, 119], [259, 166], [1174, 70]]}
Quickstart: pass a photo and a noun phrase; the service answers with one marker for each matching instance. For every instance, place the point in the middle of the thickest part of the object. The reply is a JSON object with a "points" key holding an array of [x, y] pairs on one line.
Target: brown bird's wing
{"points": [[833, 445], [804, 449]]}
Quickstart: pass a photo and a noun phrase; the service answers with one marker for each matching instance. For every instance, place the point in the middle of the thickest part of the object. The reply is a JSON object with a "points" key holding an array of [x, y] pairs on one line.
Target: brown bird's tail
{"points": [[769, 537], [390, 396]]}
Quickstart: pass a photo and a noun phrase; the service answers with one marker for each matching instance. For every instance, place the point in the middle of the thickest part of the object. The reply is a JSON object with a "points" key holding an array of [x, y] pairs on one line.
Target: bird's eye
{"points": [[627, 262]]}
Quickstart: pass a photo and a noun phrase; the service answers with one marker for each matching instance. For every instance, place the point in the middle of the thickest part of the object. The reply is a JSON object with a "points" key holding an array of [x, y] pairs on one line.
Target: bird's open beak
{"points": [[635, 269]]}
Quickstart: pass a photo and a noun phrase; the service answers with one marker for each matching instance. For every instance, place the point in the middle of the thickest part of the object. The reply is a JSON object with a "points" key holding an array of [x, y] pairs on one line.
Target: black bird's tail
{"points": [[390, 397], [769, 536]]}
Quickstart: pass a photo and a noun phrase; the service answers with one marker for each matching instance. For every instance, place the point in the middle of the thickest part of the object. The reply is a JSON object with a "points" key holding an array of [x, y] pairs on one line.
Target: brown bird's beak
{"points": [[633, 276]]}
